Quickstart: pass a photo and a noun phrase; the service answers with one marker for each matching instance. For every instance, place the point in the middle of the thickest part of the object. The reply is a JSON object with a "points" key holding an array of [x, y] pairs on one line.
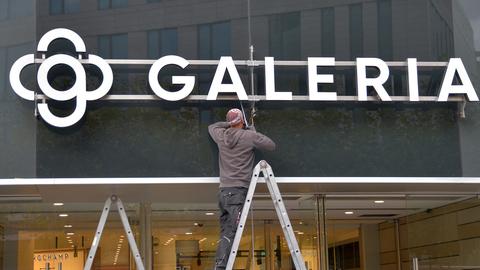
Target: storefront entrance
{"points": [[179, 230]]}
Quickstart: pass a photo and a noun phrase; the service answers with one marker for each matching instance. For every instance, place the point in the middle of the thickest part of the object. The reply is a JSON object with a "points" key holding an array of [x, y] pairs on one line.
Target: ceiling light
{"points": [[379, 201], [300, 233], [68, 226], [70, 233], [188, 233], [58, 204], [349, 213], [63, 215], [209, 214]]}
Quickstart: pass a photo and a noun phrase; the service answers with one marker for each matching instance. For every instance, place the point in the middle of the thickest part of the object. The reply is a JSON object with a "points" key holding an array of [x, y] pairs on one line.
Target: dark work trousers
{"points": [[230, 202]]}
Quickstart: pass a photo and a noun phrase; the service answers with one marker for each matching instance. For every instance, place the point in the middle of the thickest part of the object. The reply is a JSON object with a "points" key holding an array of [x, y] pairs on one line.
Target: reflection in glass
{"points": [[214, 40], [162, 42], [64, 6], [284, 36], [108, 4], [328, 31]]}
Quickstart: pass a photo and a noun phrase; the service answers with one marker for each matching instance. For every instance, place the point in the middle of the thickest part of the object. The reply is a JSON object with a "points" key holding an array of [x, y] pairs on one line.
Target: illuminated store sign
{"points": [[59, 259], [225, 65]]}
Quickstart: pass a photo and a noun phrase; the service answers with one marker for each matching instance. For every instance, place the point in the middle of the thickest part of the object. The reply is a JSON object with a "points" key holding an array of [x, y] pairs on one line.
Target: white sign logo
{"points": [[226, 64], [77, 91]]}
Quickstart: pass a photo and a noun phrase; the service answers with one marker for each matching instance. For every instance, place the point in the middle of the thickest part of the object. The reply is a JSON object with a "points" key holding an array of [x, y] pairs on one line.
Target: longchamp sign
{"points": [[225, 65]]}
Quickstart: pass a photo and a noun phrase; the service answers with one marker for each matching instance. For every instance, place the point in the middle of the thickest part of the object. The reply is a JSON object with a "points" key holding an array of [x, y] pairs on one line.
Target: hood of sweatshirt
{"points": [[232, 136]]}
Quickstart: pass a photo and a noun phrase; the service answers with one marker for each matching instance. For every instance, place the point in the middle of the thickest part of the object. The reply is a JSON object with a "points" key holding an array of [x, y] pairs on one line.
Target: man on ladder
{"points": [[236, 158]]}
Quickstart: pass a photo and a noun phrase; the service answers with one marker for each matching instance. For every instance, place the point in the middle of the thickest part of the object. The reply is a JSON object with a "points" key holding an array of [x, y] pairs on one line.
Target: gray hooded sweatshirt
{"points": [[236, 152]]}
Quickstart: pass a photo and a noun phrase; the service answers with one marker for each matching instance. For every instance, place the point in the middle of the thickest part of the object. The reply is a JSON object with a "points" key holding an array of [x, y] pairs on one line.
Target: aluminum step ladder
{"points": [[264, 168], [126, 226]]}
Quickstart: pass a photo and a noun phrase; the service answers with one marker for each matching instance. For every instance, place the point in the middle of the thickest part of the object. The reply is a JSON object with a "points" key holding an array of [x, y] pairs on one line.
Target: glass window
{"points": [[285, 36], [204, 44], [20, 8], [120, 46], [3, 10], [220, 40], [103, 4], [119, 3], [64, 6], [384, 22], [104, 46], [214, 40], [113, 46], [106, 4], [356, 31], [56, 7], [72, 6], [162, 42], [328, 32]]}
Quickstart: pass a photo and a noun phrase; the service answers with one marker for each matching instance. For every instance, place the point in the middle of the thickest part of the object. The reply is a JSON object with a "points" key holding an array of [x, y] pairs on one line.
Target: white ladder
{"points": [[126, 226], [264, 168]]}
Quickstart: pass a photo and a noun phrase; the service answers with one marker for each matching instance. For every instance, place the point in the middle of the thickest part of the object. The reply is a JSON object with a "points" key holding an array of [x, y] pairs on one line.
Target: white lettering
{"points": [[187, 81], [456, 66], [226, 64], [270, 82], [413, 79], [377, 83], [314, 79]]}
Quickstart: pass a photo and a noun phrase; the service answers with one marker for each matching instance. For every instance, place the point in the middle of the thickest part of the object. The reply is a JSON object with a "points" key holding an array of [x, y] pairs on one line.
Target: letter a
{"points": [[226, 64]]}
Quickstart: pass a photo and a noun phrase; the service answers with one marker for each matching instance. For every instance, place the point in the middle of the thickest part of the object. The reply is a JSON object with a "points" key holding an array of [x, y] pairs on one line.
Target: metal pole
{"points": [[322, 233], [397, 243]]}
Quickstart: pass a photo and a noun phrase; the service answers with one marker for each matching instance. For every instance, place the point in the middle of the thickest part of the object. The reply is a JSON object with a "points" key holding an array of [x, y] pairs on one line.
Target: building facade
{"points": [[368, 185]]}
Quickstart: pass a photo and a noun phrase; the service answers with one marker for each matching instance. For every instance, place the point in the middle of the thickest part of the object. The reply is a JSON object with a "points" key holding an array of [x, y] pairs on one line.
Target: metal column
{"points": [[322, 244]]}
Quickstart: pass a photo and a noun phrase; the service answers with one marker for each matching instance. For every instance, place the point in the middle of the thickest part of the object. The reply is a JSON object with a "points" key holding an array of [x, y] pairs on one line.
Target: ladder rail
{"points": [[101, 227], [284, 219], [130, 236], [243, 218], [98, 234], [264, 168]]}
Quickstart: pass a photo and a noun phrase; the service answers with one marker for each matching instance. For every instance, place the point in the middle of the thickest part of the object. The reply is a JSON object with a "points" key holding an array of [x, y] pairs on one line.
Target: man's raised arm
{"points": [[216, 130]]}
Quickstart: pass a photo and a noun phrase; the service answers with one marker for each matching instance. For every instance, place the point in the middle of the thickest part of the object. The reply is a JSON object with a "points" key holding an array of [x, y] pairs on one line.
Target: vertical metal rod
{"points": [[397, 244], [322, 233]]}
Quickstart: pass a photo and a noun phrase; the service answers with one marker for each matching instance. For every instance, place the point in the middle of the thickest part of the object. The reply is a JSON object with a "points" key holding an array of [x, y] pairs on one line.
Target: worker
{"points": [[236, 145]]}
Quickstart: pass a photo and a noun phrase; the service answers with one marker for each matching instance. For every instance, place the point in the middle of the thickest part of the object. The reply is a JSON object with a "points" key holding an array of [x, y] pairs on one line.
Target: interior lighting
{"points": [[63, 215], [379, 202], [58, 204], [209, 214], [68, 226], [349, 213], [188, 233]]}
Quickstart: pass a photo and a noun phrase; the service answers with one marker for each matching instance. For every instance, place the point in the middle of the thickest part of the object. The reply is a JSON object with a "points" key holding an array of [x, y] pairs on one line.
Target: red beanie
{"points": [[234, 117]]}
